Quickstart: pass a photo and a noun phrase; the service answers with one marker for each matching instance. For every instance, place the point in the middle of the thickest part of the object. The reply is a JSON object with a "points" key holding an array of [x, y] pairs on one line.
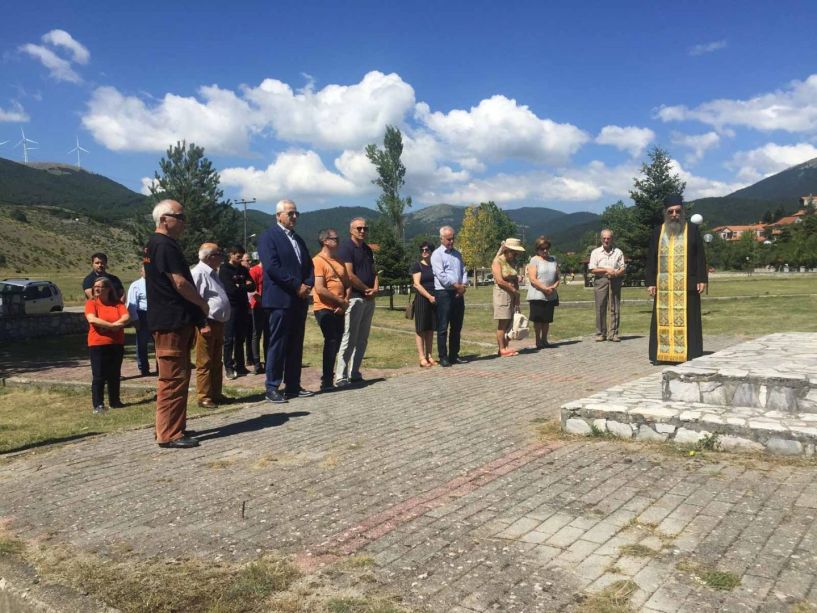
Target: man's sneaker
{"points": [[599, 338], [230, 374], [342, 383], [275, 396], [259, 370], [327, 387], [301, 393], [242, 371], [354, 380], [99, 409], [615, 339]]}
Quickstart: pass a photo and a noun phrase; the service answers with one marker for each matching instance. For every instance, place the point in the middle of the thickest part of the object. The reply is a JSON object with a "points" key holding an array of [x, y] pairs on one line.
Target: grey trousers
{"points": [[357, 325], [605, 298]]}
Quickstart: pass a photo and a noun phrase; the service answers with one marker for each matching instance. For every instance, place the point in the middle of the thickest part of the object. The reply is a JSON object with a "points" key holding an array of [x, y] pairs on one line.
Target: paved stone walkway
{"points": [[443, 478]]}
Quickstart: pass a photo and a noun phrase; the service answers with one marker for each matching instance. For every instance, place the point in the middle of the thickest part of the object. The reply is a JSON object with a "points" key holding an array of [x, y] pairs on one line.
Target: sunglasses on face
{"points": [[177, 216], [362, 228]]}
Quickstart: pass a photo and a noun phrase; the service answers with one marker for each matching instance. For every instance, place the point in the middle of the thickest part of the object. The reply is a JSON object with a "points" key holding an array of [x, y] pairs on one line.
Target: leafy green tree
{"points": [[188, 177], [648, 194], [390, 257], [484, 227], [390, 178]]}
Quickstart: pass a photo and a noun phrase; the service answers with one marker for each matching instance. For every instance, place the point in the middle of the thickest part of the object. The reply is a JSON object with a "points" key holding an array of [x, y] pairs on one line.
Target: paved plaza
{"points": [[458, 485]]}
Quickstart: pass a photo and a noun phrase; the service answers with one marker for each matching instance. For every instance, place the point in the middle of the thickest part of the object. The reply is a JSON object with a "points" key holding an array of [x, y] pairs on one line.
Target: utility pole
{"points": [[245, 203]]}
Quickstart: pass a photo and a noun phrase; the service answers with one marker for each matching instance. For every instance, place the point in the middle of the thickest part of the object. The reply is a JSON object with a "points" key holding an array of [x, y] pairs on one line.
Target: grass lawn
{"points": [[748, 306]]}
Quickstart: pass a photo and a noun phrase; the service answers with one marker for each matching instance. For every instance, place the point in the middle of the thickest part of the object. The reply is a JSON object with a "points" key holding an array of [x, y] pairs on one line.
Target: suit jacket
{"points": [[696, 258], [283, 274]]}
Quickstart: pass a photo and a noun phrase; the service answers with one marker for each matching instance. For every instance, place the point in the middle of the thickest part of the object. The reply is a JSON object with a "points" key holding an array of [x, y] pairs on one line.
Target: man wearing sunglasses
{"points": [[176, 310], [358, 259], [288, 280]]}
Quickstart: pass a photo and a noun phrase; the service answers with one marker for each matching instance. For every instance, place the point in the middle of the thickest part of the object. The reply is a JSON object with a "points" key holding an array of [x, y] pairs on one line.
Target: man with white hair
{"points": [[288, 280], [209, 359], [176, 310], [450, 283], [676, 276], [607, 267]]}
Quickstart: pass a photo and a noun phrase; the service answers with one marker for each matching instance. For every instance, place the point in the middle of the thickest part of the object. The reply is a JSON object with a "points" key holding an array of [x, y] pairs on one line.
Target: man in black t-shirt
{"points": [[237, 282], [358, 258], [176, 309], [99, 262]]}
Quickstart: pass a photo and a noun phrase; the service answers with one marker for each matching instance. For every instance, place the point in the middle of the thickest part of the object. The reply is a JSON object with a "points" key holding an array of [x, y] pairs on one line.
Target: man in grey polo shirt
{"points": [[607, 267]]}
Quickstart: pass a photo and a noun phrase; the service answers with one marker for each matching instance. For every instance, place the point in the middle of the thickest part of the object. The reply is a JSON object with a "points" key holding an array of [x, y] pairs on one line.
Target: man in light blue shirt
{"points": [[137, 303], [450, 283]]}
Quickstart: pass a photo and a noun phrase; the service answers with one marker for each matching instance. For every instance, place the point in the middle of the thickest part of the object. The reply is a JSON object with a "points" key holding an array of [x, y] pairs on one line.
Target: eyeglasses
{"points": [[425, 249], [177, 216], [331, 238], [292, 214], [362, 228]]}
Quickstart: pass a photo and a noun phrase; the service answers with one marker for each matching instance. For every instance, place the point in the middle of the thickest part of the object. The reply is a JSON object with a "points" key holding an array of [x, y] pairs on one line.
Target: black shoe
{"points": [[230, 374], [444, 363], [354, 380], [180, 443], [259, 370], [223, 400], [327, 387], [116, 405], [275, 396], [144, 373], [301, 393], [341, 383], [242, 371], [458, 360], [189, 433]]}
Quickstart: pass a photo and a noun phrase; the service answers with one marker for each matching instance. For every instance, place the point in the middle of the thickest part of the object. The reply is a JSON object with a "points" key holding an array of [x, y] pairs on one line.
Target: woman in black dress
{"points": [[424, 310]]}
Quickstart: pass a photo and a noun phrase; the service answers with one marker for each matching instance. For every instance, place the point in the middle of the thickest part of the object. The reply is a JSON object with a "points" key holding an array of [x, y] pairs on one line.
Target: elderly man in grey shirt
{"points": [[607, 267], [209, 349], [450, 283]]}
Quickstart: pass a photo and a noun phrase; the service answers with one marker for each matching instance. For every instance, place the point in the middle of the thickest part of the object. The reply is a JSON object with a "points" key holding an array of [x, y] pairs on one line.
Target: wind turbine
{"points": [[24, 142], [78, 149]]}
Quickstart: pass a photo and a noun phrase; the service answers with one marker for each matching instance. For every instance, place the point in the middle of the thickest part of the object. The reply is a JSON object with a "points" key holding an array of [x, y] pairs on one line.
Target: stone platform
{"points": [[757, 396]]}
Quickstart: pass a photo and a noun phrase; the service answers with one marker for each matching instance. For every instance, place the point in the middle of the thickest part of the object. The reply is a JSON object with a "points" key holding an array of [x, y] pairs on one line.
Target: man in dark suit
{"points": [[288, 280]]}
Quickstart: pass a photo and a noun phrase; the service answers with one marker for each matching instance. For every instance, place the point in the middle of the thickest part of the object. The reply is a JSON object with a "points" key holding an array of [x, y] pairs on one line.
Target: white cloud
{"points": [[705, 48], [337, 116], [293, 174], [770, 159], [499, 128], [697, 143], [147, 183], [61, 38], [15, 113], [702, 187], [631, 139], [793, 109], [60, 68], [220, 122]]}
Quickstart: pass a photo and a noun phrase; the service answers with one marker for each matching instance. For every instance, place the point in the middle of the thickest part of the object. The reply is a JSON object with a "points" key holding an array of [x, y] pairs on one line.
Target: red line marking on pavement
{"points": [[380, 524]]}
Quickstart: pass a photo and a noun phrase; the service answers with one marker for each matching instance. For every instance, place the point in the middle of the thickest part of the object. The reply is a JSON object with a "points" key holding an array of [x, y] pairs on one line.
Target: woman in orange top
{"points": [[330, 297], [107, 318]]}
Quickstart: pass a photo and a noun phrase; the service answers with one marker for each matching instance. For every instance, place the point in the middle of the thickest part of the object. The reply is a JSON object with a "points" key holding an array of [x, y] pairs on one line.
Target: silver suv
{"points": [[24, 296]]}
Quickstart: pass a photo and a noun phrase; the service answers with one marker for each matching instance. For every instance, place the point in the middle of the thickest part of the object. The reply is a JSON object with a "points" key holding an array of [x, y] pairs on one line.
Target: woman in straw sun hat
{"points": [[506, 290]]}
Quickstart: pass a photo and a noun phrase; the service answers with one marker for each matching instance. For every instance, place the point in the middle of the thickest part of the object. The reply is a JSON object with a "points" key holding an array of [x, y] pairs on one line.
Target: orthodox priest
{"points": [[676, 276]]}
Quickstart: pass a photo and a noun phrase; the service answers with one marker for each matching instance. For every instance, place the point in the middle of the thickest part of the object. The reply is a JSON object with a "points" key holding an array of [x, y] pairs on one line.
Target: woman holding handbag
{"points": [[424, 310], [506, 291], [543, 275]]}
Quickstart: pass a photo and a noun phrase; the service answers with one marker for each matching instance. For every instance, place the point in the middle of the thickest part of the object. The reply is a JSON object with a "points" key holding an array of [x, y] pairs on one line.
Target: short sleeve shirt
{"points": [[88, 282], [426, 275], [168, 310], [361, 258], [334, 277], [110, 313]]}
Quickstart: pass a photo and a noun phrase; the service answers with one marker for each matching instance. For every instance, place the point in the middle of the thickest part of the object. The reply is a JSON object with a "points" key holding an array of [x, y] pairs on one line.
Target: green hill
{"points": [[68, 187]]}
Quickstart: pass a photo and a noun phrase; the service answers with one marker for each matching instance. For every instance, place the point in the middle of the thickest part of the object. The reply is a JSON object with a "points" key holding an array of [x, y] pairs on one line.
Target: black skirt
{"points": [[541, 311], [425, 315]]}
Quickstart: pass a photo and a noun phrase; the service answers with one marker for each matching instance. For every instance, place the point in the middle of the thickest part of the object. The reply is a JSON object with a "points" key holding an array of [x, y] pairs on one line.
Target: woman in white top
{"points": [[543, 275]]}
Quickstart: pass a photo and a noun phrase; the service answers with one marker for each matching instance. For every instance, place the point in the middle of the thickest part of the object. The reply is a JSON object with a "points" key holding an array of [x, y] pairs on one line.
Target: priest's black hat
{"points": [[673, 200]]}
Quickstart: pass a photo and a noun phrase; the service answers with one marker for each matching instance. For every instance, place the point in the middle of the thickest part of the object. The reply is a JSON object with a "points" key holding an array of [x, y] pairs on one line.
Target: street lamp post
{"points": [[708, 240], [245, 203]]}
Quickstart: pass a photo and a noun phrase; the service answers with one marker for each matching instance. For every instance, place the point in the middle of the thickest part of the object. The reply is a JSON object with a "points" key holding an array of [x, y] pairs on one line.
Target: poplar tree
{"points": [[390, 178]]}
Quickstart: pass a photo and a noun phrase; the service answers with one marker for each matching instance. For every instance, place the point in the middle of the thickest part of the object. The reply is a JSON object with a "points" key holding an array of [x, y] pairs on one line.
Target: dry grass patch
{"points": [[637, 551], [615, 598], [709, 575]]}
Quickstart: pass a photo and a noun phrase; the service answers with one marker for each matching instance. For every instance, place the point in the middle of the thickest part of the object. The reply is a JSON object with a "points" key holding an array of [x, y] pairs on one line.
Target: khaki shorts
{"points": [[504, 304]]}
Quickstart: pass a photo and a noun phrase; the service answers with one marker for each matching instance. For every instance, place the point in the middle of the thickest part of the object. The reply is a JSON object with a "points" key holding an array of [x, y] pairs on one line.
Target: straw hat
{"points": [[514, 244]]}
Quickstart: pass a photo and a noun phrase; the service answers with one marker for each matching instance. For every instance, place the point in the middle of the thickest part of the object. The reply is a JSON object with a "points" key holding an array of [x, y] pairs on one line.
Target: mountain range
{"points": [[101, 199]]}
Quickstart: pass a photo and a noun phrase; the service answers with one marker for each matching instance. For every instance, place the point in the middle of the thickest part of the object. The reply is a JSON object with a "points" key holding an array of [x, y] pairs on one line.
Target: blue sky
{"points": [[524, 103]]}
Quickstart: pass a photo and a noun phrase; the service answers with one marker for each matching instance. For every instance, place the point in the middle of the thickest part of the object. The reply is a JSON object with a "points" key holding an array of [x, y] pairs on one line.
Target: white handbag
{"points": [[519, 328]]}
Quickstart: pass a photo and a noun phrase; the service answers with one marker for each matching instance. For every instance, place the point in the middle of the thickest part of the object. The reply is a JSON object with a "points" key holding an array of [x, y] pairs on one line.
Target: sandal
{"points": [[506, 353], [424, 363], [431, 361]]}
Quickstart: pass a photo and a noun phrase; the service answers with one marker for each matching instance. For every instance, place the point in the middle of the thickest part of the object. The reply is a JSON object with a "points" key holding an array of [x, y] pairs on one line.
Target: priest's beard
{"points": [[674, 225]]}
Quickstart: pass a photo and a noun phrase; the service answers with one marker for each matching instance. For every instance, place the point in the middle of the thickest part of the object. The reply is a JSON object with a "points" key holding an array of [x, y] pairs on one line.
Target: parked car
{"points": [[24, 296]]}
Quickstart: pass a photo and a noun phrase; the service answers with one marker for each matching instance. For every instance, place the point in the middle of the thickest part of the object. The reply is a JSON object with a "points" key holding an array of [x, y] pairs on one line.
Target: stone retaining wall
{"points": [[35, 326]]}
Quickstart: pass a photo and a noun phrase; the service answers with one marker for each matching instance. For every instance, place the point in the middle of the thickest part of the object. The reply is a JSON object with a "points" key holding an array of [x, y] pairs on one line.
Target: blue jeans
{"points": [[450, 313], [142, 337]]}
